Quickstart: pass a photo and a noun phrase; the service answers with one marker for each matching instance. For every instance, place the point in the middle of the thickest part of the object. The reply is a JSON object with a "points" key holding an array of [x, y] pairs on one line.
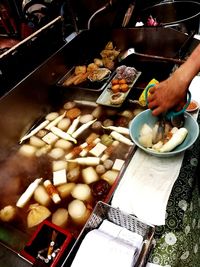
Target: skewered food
{"points": [[52, 191]]}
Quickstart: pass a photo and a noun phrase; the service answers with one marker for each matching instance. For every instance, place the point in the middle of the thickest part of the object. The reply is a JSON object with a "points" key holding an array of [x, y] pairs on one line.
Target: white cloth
{"points": [[146, 185], [121, 233], [108, 246]]}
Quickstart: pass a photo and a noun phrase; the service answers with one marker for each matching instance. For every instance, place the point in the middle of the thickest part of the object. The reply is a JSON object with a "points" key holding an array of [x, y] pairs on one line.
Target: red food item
{"points": [[100, 188]]}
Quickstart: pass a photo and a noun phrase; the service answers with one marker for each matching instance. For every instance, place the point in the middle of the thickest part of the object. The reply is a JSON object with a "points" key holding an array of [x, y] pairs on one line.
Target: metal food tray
{"points": [[104, 98], [86, 85], [104, 211]]}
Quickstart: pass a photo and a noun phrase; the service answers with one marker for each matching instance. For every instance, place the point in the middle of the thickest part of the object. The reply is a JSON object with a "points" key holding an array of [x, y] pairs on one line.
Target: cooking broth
{"points": [[18, 171]]}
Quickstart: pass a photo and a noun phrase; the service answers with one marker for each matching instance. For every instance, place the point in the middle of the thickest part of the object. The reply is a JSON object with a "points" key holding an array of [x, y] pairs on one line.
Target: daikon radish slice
{"points": [[41, 196], [59, 165], [82, 192], [78, 211], [60, 217], [36, 141], [119, 137], [65, 190], [89, 175], [122, 130], [110, 176], [27, 150], [177, 138]]}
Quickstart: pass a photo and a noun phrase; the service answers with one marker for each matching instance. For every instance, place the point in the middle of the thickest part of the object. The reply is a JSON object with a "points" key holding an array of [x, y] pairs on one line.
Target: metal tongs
{"points": [[176, 118]]}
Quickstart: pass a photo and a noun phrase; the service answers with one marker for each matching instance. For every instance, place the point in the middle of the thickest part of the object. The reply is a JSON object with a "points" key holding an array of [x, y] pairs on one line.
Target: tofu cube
{"points": [[118, 164], [98, 150], [59, 177]]}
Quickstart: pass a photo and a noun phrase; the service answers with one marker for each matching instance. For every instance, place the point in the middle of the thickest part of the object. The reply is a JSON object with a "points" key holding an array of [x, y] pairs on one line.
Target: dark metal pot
{"points": [[184, 15]]}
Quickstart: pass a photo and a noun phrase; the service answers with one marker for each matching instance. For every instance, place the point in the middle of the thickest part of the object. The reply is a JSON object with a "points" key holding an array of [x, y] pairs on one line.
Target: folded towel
{"points": [[121, 233], [100, 249]]}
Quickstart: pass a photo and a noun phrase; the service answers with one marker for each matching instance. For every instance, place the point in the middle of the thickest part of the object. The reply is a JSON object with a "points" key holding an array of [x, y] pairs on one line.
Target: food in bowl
{"points": [[161, 138], [146, 117]]}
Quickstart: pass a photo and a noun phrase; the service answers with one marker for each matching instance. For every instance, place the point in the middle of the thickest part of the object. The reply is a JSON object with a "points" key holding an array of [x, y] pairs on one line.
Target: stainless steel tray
{"points": [[104, 98], [86, 85]]}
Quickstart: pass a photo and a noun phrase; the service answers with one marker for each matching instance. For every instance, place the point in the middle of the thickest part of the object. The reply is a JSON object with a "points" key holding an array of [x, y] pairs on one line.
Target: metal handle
{"points": [[171, 113]]}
